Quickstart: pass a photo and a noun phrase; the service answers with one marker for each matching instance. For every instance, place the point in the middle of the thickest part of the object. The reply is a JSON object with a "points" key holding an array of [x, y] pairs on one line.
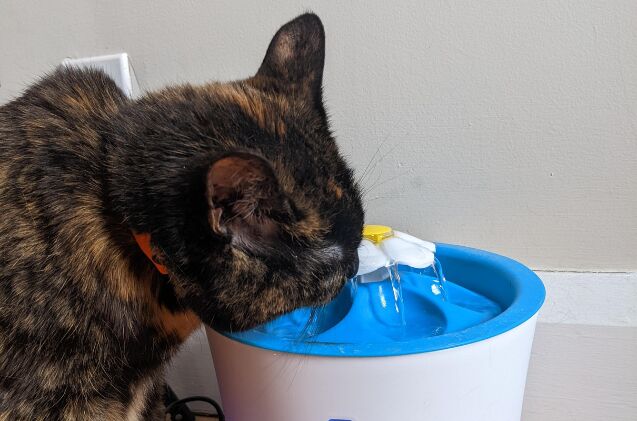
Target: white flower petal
{"points": [[410, 238], [407, 253]]}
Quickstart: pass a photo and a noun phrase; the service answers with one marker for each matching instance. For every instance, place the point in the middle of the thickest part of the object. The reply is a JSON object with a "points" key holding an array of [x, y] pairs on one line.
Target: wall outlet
{"points": [[117, 66]]}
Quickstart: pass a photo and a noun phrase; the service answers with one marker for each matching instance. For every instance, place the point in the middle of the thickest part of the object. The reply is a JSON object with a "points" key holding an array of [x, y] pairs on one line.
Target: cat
{"points": [[125, 224]]}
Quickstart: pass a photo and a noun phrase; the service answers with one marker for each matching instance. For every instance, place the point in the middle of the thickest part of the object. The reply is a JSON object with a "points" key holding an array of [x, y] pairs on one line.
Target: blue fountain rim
{"points": [[528, 296]]}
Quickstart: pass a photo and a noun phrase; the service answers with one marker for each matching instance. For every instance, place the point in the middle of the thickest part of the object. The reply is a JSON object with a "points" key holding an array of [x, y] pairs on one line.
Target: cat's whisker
{"points": [[381, 159], [385, 197], [374, 155], [400, 175]]}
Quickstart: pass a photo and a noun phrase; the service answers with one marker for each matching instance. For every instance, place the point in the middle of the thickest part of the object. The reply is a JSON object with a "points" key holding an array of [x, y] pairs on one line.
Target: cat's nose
{"points": [[352, 268]]}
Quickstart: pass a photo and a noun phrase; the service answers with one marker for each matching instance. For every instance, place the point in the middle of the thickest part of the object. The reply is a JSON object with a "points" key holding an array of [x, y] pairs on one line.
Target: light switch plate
{"points": [[117, 66]]}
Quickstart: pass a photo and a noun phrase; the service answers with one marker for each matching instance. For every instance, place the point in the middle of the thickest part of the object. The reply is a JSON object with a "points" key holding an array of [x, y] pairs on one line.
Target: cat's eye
{"points": [[296, 212]]}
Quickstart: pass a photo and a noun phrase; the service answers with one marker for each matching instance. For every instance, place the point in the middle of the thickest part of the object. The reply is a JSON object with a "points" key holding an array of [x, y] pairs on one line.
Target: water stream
{"points": [[394, 303]]}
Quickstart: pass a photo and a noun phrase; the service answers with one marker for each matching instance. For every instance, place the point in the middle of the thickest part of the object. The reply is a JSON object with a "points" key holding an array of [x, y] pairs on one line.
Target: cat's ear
{"points": [[245, 200], [296, 56]]}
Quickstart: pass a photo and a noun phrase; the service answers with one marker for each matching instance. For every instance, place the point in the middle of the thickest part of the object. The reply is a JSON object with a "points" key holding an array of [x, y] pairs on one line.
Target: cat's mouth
{"points": [[257, 315]]}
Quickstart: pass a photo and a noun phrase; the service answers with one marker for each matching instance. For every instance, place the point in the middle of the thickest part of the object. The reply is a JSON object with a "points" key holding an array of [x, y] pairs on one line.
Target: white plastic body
{"points": [[117, 66], [483, 381]]}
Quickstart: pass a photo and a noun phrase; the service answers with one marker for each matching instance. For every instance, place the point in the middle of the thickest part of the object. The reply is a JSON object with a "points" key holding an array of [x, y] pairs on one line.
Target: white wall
{"points": [[505, 125]]}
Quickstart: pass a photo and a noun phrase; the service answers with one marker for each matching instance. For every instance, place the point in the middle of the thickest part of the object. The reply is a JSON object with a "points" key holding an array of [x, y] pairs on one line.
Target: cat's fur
{"points": [[244, 193]]}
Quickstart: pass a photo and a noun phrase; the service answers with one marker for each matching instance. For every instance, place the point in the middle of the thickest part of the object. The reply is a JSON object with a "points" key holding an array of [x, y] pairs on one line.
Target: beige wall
{"points": [[505, 125]]}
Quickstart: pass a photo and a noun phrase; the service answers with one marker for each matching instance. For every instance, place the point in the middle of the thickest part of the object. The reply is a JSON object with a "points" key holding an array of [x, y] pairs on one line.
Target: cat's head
{"points": [[247, 198]]}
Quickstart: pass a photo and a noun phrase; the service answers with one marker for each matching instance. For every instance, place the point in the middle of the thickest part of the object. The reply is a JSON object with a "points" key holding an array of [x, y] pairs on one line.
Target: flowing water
{"points": [[395, 303], [396, 313]]}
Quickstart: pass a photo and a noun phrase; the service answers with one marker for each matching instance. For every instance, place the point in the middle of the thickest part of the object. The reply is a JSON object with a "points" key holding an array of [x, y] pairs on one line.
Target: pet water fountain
{"points": [[403, 341]]}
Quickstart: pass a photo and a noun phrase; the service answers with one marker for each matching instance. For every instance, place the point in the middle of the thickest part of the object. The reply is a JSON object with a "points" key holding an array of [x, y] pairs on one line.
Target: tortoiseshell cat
{"points": [[239, 185]]}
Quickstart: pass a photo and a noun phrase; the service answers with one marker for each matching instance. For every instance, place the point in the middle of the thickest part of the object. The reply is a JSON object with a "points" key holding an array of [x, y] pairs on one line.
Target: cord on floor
{"points": [[178, 410]]}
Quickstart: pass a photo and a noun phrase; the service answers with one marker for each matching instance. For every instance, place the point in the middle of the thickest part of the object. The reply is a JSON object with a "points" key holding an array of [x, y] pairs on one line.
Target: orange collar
{"points": [[143, 240]]}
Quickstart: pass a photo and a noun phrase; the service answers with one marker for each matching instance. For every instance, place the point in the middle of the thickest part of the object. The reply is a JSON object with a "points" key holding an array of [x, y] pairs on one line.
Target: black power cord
{"points": [[179, 411]]}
